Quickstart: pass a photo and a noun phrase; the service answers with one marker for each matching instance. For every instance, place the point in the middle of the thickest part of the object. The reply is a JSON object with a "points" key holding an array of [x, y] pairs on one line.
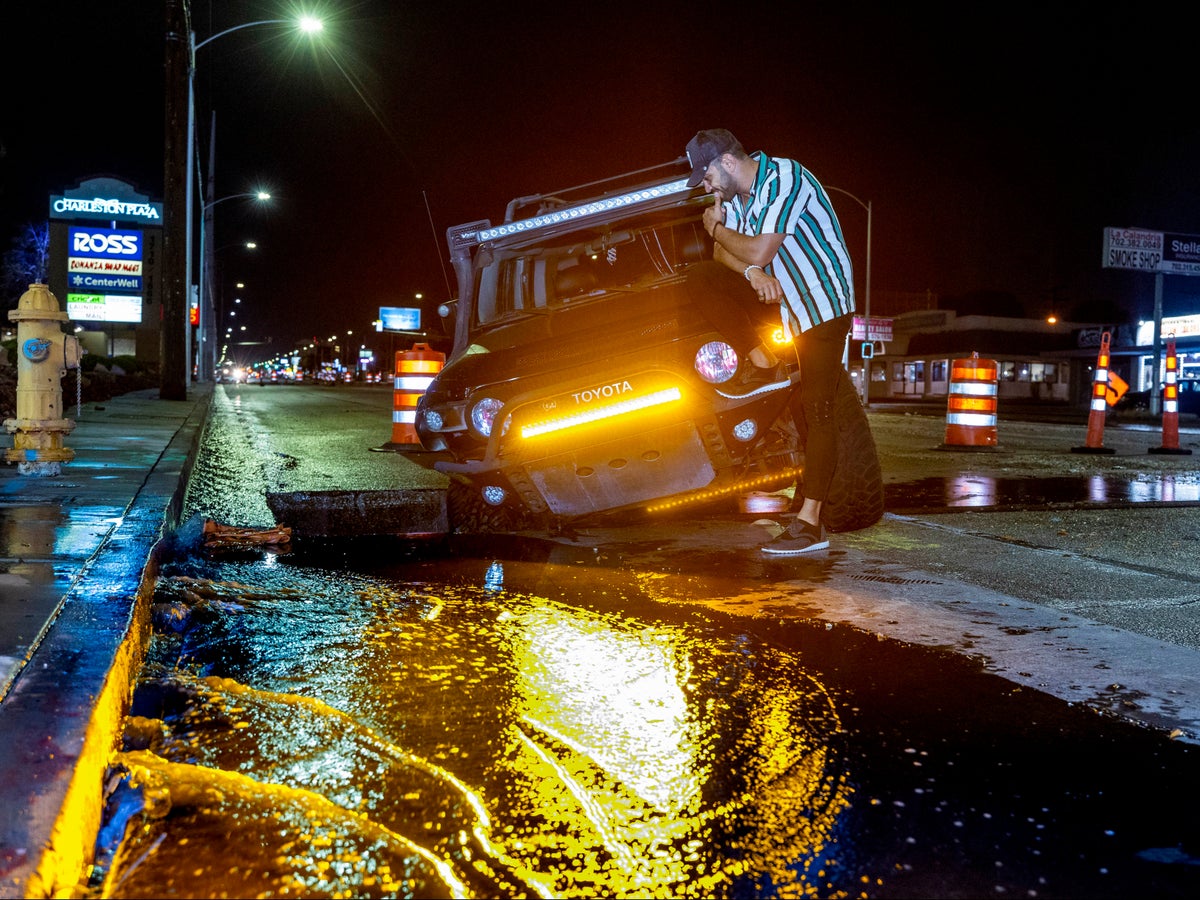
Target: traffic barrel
{"points": [[1170, 401], [971, 405], [1094, 443], [415, 370]]}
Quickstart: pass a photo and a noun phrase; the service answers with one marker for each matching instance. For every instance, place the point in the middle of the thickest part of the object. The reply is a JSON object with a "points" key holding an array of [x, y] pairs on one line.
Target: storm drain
{"points": [[893, 579]]}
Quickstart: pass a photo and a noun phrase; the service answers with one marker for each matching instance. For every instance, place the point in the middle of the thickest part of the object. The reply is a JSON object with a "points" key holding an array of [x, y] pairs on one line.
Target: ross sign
{"points": [[104, 308], [399, 318], [104, 259], [1132, 248], [881, 329]]}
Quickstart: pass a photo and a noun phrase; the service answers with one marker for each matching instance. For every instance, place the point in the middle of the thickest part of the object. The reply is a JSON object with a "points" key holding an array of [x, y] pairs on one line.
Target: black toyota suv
{"points": [[581, 381]]}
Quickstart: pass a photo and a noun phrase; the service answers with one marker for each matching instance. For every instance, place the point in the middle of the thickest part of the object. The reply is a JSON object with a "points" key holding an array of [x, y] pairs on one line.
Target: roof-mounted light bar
{"points": [[578, 212]]}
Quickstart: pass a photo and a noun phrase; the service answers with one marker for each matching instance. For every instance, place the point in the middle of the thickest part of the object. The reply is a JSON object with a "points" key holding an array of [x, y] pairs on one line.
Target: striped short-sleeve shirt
{"points": [[812, 264]]}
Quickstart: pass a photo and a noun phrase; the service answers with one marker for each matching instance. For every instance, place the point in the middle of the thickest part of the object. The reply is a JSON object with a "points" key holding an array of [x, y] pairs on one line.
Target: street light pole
{"points": [[178, 23], [177, 209], [207, 352], [867, 299]]}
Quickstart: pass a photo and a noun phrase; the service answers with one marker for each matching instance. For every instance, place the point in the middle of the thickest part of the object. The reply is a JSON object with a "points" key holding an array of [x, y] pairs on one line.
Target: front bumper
{"points": [[616, 453]]}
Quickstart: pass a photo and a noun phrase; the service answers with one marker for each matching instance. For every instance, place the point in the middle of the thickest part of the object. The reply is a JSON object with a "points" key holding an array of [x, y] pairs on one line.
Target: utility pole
{"points": [[208, 322], [173, 350]]}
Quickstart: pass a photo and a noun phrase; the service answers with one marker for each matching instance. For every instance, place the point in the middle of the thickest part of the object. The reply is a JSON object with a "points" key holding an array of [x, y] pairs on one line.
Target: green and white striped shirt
{"points": [[812, 264]]}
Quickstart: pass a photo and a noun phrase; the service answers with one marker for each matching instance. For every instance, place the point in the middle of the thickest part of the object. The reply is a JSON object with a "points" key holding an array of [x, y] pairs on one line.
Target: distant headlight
{"points": [[716, 362], [483, 415]]}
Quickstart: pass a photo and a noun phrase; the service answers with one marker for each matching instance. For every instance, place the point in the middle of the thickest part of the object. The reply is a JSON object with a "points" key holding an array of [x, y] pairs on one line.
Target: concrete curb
{"points": [[64, 713]]}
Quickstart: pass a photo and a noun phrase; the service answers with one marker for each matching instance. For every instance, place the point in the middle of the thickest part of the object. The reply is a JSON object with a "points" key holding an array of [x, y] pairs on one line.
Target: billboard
{"points": [[399, 318], [1151, 251]]}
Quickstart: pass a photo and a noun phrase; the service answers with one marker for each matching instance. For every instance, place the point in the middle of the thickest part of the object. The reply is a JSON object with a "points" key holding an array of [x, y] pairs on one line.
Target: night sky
{"points": [[994, 143]]}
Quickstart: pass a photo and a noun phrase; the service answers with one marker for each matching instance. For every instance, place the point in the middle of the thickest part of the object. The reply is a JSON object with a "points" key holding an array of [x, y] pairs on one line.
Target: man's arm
{"points": [[737, 250]]}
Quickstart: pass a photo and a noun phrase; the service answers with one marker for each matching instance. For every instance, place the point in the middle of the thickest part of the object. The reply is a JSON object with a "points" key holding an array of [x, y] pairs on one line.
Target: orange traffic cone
{"points": [[1170, 411], [1099, 408]]}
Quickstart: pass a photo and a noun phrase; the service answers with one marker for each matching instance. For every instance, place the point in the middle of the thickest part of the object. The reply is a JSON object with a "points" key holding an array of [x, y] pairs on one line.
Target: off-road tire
{"points": [[855, 498]]}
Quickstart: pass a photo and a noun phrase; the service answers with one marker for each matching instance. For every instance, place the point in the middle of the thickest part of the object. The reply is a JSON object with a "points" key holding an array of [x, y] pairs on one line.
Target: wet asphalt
{"points": [[1091, 597]]}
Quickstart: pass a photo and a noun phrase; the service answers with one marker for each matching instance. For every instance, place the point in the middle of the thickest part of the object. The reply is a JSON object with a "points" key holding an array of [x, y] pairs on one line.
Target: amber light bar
{"points": [[738, 488], [600, 413]]}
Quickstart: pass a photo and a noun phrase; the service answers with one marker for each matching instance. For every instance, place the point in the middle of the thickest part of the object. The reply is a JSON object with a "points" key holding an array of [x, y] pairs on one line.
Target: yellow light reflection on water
{"points": [[487, 741], [618, 695]]}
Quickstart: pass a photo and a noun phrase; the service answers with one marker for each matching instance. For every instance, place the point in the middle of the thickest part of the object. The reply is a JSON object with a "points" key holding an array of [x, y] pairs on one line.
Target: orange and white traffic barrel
{"points": [[1094, 443], [415, 370], [1170, 405], [971, 404]]}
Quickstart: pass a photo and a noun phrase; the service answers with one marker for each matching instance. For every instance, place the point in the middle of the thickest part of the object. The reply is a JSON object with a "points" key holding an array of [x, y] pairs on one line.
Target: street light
{"points": [[867, 302], [206, 349], [307, 24]]}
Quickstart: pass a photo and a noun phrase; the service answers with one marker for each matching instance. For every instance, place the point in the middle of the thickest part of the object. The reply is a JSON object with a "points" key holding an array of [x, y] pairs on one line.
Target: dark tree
{"points": [[26, 261]]}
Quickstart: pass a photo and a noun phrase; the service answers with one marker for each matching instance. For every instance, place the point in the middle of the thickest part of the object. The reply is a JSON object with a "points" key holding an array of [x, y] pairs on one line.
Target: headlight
{"points": [[483, 415], [716, 362]]}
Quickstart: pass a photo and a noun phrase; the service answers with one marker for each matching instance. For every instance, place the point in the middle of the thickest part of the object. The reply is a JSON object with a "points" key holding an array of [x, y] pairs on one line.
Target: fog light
{"points": [[494, 495], [433, 420], [745, 430]]}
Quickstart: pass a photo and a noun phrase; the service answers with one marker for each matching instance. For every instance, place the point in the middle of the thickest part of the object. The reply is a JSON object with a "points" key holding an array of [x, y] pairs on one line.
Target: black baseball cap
{"points": [[706, 146]]}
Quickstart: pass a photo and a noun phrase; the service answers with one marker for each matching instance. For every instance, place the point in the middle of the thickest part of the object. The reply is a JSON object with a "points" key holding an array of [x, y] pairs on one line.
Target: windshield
{"points": [[632, 255]]}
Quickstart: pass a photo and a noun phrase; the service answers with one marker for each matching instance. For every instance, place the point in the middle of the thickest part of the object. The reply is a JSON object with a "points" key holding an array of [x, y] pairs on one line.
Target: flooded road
{"points": [[510, 717], [357, 724]]}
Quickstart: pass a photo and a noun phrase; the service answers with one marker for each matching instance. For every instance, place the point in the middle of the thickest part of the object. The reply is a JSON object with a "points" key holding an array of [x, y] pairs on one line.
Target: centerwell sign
{"points": [[1151, 251]]}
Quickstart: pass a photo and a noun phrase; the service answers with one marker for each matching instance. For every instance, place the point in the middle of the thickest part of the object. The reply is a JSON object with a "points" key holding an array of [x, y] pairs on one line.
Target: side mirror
{"points": [[447, 312]]}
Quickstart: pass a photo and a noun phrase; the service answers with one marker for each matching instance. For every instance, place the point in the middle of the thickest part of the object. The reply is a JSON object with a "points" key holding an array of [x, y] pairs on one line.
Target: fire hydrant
{"points": [[44, 353]]}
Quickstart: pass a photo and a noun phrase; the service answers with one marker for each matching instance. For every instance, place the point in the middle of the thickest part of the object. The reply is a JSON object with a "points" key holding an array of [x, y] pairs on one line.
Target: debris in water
{"points": [[217, 535]]}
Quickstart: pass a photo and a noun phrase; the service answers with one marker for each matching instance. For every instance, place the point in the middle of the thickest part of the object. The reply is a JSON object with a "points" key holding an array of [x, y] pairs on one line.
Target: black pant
{"points": [[726, 299]]}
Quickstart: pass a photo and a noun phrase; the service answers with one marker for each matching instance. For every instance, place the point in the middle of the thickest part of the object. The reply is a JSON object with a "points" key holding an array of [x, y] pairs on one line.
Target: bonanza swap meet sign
{"points": [[1151, 251]]}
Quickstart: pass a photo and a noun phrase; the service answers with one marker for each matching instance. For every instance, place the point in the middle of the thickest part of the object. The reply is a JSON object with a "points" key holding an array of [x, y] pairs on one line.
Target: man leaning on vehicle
{"points": [[777, 246]]}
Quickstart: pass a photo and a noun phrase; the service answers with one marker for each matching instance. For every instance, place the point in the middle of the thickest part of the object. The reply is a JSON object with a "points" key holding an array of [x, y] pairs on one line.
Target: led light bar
{"points": [[578, 212], [599, 413], [740, 487]]}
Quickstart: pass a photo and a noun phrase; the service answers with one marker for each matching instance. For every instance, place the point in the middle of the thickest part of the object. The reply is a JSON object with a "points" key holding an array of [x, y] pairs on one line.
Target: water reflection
{"points": [[985, 492], [372, 737]]}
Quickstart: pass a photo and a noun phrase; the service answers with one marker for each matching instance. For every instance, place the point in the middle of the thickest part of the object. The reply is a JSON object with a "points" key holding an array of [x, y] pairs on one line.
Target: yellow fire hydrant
{"points": [[44, 353]]}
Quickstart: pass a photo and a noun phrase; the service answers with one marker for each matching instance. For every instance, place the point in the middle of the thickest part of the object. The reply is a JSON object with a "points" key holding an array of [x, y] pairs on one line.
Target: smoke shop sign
{"points": [[1151, 251]]}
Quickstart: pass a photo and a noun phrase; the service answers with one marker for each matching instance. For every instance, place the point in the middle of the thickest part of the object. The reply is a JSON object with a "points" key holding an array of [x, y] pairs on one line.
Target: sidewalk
{"points": [[76, 552]]}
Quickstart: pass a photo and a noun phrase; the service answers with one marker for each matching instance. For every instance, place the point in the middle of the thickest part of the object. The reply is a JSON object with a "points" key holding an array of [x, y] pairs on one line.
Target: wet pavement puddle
{"points": [[954, 494]]}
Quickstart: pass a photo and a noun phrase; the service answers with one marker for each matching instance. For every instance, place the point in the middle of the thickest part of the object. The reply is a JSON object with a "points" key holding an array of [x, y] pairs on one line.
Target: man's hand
{"points": [[766, 286], [714, 215]]}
